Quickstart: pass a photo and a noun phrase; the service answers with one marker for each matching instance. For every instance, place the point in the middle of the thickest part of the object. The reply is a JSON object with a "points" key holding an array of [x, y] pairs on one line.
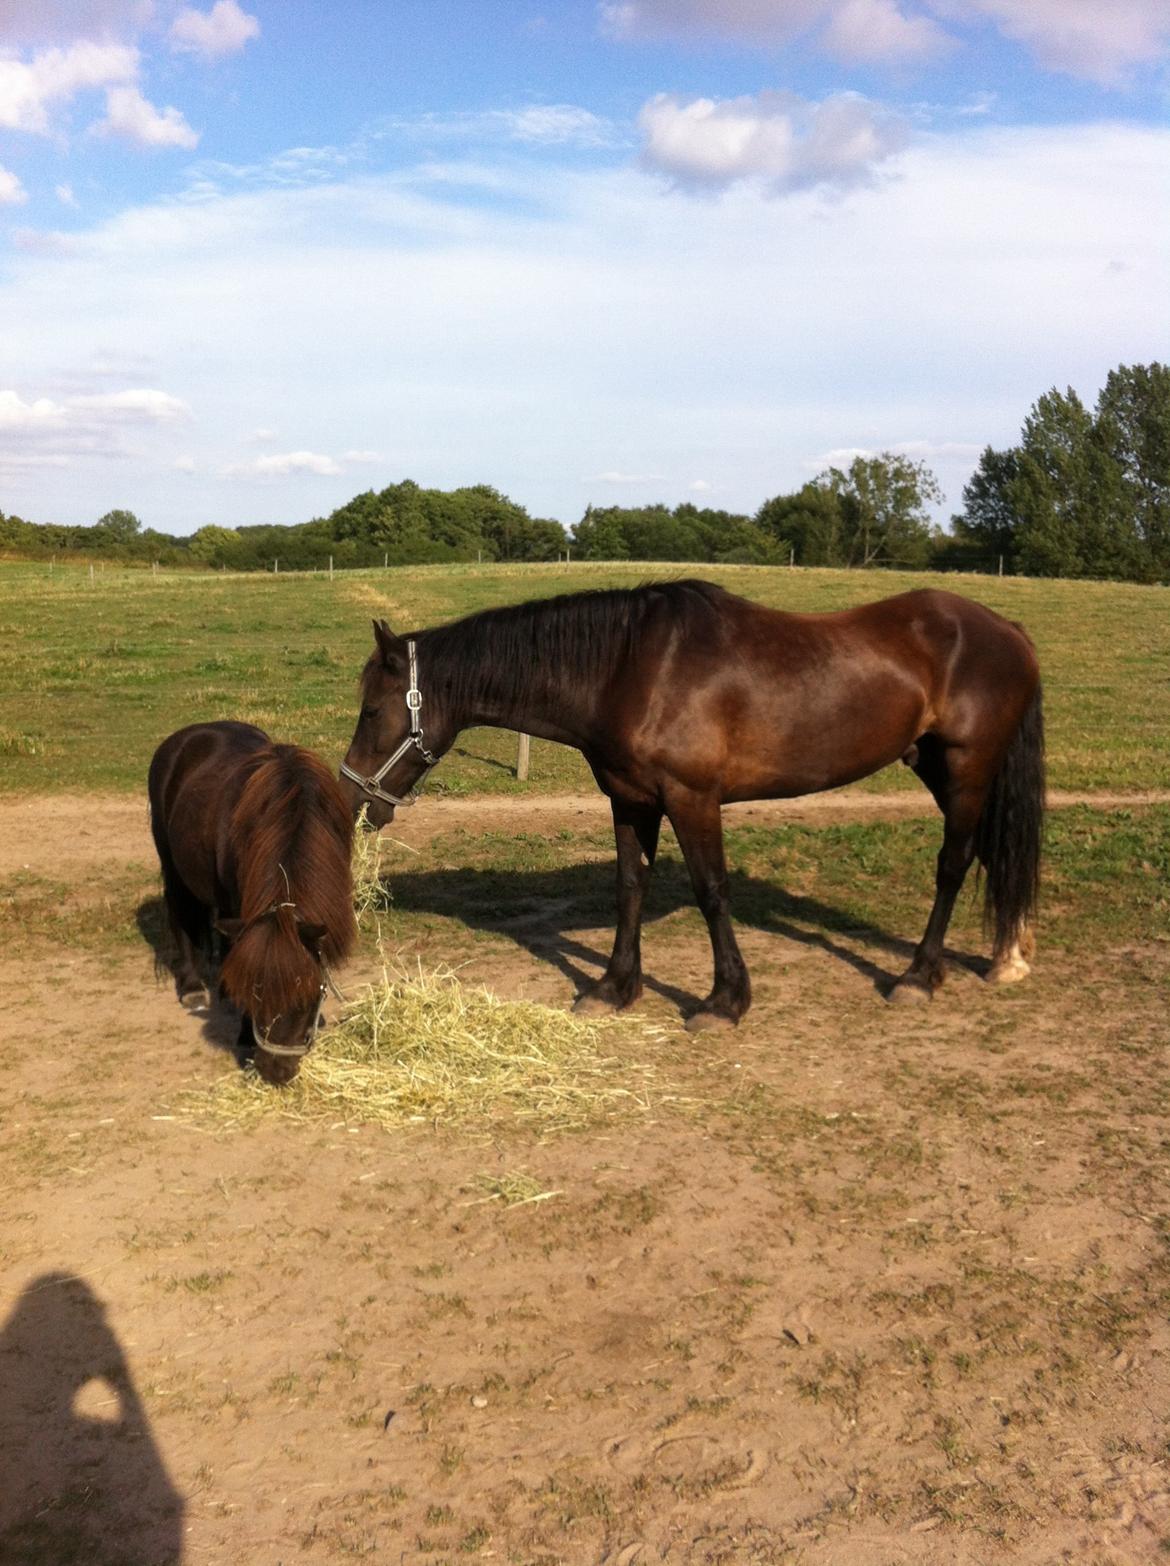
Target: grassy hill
{"points": [[94, 675]]}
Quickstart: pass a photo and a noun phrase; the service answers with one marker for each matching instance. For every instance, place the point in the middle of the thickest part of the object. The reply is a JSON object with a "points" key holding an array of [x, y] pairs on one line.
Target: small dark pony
{"points": [[683, 698], [254, 841]]}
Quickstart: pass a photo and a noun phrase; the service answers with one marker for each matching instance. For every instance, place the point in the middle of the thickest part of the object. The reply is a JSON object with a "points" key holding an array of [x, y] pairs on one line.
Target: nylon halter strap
{"points": [[371, 784]]}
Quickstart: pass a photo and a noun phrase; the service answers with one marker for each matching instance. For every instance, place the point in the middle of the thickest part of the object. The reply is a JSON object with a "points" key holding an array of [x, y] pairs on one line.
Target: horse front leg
{"points": [[698, 825], [635, 829]]}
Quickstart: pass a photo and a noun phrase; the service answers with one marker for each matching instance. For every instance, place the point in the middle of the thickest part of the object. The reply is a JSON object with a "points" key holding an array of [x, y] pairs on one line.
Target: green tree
{"points": [[989, 519], [809, 523], [883, 502], [1132, 428], [118, 528]]}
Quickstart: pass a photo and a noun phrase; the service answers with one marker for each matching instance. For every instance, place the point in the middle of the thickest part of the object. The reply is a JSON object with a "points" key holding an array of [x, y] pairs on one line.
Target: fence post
{"points": [[331, 568], [276, 566], [1001, 565], [91, 573], [386, 560], [523, 750], [792, 555]]}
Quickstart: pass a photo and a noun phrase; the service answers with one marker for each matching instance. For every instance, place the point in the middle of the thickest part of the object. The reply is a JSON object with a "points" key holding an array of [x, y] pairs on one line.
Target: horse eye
{"points": [[370, 712]]}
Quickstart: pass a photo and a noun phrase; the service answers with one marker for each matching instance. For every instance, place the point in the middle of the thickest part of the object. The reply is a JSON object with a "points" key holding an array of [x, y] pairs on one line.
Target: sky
{"points": [[260, 255]]}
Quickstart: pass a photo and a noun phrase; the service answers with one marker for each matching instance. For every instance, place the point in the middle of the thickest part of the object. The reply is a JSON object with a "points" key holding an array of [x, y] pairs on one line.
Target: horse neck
{"points": [[496, 683]]}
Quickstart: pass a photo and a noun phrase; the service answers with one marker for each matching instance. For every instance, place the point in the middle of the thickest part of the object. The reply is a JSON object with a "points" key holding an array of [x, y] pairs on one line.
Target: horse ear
{"points": [[311, 934], [389, 645], [231, 928]]}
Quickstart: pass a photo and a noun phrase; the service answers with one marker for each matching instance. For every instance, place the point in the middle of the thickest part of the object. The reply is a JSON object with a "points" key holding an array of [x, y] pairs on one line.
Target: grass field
{"points": [[95, 675]]}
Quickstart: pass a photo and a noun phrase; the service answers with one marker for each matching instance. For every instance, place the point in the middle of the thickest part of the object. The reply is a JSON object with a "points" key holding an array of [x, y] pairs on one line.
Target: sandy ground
{"points": [[894, 1291]]}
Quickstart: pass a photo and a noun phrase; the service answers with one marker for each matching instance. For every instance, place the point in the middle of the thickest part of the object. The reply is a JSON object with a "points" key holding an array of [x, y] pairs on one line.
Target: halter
{"points": [[328, 982], [415, 737]]}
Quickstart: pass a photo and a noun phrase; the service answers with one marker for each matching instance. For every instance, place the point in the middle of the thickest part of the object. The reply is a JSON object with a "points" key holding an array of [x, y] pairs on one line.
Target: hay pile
{"points": [[423, 1048]]}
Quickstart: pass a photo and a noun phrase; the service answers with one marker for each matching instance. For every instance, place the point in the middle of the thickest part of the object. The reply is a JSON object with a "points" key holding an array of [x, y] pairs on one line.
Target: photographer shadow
{"points": [[82, 1482]]}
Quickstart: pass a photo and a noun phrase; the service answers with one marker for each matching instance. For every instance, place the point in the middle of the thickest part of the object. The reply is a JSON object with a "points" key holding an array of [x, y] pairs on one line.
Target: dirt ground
{"points": [[893, 1290]]}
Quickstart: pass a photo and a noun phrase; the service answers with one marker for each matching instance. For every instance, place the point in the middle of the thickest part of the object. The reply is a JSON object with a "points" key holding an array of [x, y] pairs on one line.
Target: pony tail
{"points": [[1010, 833]]}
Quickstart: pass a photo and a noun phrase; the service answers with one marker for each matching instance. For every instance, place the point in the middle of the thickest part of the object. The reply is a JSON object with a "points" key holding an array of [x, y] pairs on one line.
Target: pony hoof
{"points": [[905, 993], [593, 1005], [1009, 972], [709, 1021], [195, 1000]]}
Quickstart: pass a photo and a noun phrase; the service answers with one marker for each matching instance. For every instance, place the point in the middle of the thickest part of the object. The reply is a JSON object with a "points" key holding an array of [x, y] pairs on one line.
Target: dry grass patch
{"points": [[424, 1049]]}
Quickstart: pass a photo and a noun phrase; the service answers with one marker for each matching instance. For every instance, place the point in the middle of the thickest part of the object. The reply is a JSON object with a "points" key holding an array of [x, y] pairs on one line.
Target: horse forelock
{"points": [[293, 835]]}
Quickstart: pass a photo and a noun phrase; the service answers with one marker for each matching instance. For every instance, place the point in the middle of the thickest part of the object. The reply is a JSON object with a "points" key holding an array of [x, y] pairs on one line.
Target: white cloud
{"points": [[56, 75], [775, 137], [551, 124], [59, 432], [758, 21], [1101, 40], [11, 190], [65, 196], [557, 123], [281, 463], [24, 22], [225, 29], [614, 477], [130, 116], [362, 456], [184, 464], [701, 486], [139, 403], [873, 31]]}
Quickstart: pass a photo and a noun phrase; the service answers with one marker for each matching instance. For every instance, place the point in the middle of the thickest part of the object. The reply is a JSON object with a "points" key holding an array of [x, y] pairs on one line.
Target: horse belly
{"points": [[807, 755]]}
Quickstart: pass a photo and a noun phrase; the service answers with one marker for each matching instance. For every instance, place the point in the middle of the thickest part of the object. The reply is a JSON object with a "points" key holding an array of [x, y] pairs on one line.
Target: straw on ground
{"points": [[425, 1049]]}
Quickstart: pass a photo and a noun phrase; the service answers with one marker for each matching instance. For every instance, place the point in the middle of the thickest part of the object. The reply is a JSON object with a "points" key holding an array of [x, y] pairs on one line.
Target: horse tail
{"points": [[1009, 836]]}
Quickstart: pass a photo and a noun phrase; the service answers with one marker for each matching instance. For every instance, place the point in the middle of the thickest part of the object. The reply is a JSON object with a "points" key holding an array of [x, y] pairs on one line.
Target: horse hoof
{"points": [[907, 994], [709, 1021], [594, 1006], [1009, 972], [195, 1000]]}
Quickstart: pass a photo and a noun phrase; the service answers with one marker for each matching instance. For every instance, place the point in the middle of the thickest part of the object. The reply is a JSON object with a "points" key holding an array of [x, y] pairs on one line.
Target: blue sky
{"points": [[256, 257]]}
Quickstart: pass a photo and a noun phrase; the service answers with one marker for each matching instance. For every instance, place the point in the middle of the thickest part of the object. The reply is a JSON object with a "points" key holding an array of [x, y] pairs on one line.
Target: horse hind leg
{"points": [[962, 801], [1011, 959], [189, 926]]}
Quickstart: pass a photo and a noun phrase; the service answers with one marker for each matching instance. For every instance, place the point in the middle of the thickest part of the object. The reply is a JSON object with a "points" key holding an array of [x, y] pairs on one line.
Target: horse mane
{"points": [[292, 835], [546, 643]]}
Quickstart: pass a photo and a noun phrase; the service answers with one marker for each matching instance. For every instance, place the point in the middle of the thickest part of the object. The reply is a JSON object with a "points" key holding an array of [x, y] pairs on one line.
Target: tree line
{"points": [[1082, 494]]}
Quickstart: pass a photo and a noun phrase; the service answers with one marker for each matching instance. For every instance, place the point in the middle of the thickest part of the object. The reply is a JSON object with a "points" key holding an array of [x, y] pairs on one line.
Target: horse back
{"points": [[196, 776]]}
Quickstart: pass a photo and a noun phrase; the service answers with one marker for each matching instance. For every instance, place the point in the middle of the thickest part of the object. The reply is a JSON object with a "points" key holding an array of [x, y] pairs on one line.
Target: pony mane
{"points": [[293, 834], [550, 642]]}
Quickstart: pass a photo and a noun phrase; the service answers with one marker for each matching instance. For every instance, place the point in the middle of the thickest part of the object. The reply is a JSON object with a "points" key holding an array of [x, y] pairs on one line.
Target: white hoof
{"points": [[1010, 971]]}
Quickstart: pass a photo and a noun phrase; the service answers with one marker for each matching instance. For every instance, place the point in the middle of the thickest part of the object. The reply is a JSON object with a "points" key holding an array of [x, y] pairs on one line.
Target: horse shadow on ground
{"points": [[540, 910], [220, 1020], [82, 1482]]}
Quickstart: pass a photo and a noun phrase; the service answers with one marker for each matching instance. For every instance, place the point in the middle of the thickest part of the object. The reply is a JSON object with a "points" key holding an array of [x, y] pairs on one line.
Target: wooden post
{"points": [[386, 560], [792, 555], [1001, 565], [523, 750], [91, 573], [276, 566], [331, 568]]}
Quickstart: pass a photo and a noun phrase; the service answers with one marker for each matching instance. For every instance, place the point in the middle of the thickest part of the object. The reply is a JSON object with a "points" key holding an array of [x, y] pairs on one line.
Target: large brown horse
{"points": [[254, 841], [683, 697]]}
